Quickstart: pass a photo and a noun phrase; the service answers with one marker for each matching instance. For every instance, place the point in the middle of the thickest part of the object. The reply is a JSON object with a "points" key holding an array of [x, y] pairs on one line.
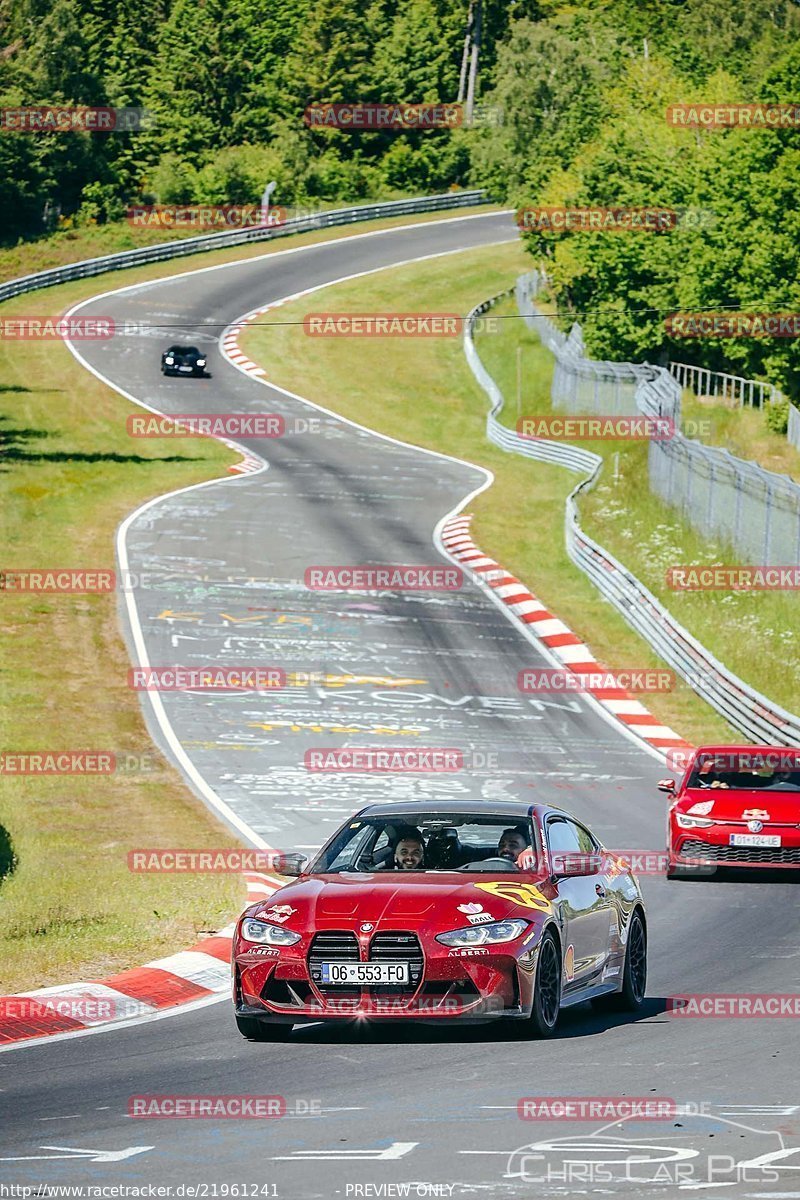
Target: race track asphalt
{"points": [[223, 567]]}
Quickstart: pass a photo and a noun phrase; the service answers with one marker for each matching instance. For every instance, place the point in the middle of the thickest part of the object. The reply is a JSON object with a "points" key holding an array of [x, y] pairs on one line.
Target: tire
{"points": [[546, 989], [256, 1030], [634, 973]]}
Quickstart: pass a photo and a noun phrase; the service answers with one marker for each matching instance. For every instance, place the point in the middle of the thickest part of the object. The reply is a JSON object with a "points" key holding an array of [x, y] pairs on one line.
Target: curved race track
{"points": [[429, 1106]]}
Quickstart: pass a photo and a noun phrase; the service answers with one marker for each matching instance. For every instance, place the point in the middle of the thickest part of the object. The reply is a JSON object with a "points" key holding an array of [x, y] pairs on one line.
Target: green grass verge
{"points": [[94, 241], [754, 634], [69, 907], [424, 393], [742, 431], [69, 475]]}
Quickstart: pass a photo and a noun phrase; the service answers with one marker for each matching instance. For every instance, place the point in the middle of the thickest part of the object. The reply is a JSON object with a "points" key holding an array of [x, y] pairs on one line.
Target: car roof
{"points": [[489, 808], [183, 348]]}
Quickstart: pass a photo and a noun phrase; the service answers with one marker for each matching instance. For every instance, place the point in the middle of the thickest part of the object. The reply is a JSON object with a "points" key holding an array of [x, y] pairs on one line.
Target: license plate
{"points": [[184, 368], [365, 973], [754, 839]]}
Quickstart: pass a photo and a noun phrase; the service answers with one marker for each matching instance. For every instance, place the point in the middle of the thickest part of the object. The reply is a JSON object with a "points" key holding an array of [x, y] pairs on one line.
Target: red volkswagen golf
{"points": [[736, 806], [436, 912]]}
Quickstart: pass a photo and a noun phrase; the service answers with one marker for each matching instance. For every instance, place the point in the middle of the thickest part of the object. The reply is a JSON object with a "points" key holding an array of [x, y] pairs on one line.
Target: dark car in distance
{"points": [[183, 360]]}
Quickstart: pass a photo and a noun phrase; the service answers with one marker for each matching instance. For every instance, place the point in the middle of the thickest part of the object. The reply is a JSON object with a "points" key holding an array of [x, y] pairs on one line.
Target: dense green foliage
{"points": [[585, 93], [227, 85], [583, 89]]}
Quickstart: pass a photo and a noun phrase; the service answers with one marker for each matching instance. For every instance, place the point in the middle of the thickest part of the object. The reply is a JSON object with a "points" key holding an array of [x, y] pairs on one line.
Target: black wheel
{"points": [[546, 989], [256, 1030], [634, 974]]}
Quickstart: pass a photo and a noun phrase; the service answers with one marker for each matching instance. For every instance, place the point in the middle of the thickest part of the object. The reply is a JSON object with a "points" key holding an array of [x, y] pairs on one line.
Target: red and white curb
{"points": [[232, 350], [559, 639], [230, 338], [201, 972]]}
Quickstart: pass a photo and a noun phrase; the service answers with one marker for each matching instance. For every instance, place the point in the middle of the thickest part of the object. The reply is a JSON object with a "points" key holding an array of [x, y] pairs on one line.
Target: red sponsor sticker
{"points": [[708, 115], [76, 329], [416, 760], [57, 762], [629, 679], [732, 325], [720, 578], [596, 1108], [333, 324], [384, 116], [232, 425], [209, 678], [560, 219], [182, 860], [394, 578], [597, 429], [207, 1107], [749, 1004]]}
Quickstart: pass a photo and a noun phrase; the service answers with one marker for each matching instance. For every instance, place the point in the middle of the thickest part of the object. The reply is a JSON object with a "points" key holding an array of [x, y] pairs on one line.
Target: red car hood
{"points": [[740, 804], [333, 901]]}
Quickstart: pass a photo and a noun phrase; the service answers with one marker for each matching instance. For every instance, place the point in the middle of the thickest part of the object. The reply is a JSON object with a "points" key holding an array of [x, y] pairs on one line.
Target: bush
{"points": [[776, 415]]}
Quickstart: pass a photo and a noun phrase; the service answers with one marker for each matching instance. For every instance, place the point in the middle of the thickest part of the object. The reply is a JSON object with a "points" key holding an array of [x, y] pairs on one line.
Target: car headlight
{"points": [[483, 935], [169, 360], [201, 362], [268, 935], [687, 822]]}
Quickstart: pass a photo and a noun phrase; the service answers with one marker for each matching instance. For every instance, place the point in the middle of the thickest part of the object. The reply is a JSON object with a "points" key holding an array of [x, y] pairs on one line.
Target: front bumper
{"points": [[709, 848], [450, 989]]}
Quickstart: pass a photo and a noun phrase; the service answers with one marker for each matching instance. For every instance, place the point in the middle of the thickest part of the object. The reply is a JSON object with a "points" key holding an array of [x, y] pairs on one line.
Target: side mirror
{"points": [[291, 864], [667, 785], [571, 865]]}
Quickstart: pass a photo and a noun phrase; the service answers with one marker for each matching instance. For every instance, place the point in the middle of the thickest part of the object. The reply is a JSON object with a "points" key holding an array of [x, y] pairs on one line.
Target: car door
{"points": [[585, 903]]}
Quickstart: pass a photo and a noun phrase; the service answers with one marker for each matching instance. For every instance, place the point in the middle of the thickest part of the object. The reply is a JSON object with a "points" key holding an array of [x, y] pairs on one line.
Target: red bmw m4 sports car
{"points": [[736, 806], [433, 912]]}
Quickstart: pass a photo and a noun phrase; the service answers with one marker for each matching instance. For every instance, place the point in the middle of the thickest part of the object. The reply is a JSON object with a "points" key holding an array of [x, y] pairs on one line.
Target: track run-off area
{"points": [[373, 1107]]}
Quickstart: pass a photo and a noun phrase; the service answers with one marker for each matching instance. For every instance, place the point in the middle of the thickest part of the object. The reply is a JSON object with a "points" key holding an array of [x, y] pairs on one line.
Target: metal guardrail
{"points": [[757, 717], [545, 451], [755, 510], [793, 429], [163, 251], [717, 384]]}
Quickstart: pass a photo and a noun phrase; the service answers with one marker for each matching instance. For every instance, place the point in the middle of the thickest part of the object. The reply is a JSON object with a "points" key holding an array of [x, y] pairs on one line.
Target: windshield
{"points": [[778, 771], [427, 842]]}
